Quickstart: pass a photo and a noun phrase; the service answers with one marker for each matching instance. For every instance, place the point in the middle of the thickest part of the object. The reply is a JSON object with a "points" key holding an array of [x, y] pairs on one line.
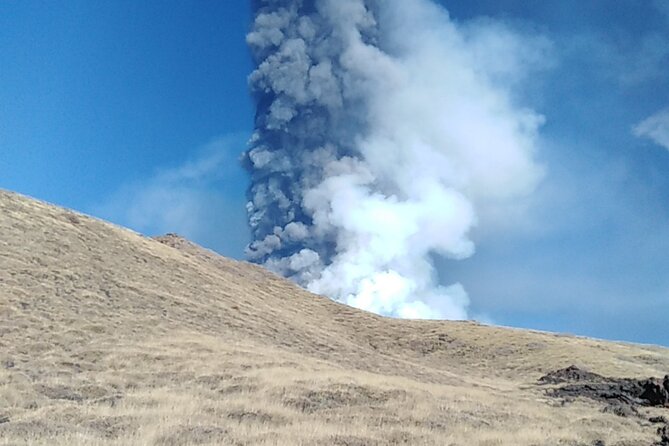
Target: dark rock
{"points": [[581, 383], [622, 396], [654, 393], [4, 419], [598, 443], [620, 392], [663, 432], [662, 420], [570, 374]]}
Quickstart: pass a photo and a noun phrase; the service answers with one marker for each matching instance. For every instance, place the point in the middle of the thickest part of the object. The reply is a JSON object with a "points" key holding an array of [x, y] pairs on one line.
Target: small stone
{"points": [[4, 419], [660, 419]]}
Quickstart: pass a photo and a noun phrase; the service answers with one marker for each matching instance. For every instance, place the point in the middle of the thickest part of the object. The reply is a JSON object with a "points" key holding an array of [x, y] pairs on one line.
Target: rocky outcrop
{"points": [[622, 396], [574, 382]]}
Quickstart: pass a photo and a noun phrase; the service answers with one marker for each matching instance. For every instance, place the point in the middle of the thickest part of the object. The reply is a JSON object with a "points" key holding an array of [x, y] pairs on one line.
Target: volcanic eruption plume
{"points": [[384, 131]]}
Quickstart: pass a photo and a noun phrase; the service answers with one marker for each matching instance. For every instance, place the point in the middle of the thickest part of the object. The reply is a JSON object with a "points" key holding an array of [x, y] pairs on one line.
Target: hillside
{"points": [[111, 338]]}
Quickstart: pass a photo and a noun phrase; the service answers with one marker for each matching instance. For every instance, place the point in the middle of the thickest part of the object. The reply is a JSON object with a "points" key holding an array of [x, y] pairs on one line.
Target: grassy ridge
{"points": [[111, 338]]}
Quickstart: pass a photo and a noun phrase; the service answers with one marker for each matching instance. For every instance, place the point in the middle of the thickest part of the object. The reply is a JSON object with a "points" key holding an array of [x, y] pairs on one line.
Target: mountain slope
{"points": [[108, 337]]}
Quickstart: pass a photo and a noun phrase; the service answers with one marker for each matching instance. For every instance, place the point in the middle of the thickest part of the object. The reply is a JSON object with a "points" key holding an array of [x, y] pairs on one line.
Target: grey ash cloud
{"points": [[384, 133]]}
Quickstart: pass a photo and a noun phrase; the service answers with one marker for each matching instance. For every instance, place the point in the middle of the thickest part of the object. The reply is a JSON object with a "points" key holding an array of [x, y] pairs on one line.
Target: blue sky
{"points": [[137, 112], [97, 98]]}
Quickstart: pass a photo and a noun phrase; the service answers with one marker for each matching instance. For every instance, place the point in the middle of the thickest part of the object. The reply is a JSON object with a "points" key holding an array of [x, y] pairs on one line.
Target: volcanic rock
{"points": [[655, 392], [613, 391], [570, 374]]}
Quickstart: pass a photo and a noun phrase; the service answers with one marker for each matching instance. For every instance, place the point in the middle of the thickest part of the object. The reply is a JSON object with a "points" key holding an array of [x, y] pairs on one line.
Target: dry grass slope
{"points": [[111, 338]]}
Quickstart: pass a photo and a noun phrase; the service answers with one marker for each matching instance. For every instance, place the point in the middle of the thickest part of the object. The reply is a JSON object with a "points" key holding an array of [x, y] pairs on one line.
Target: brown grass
{"points": [[111, 338]]}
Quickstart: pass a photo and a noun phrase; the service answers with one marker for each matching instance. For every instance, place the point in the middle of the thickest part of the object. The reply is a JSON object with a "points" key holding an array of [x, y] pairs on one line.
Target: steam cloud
{"points": [[384, 130], [656, 127]]}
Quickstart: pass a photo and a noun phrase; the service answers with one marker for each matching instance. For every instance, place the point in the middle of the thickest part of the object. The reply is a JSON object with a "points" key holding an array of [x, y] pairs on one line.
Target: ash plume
{"points": [[383, 132]]}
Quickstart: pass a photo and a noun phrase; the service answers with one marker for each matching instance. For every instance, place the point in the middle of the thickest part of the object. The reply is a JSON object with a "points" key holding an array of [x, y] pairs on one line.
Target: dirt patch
{"points": [[33, 429], [93, 392], [112, 427], [238, 388], [238, 384], [622, 410], [213, 382], [76, 394], [431, 344], [256, 416], [59, 393], [348, 440], [338, 396], [402, 437], [194, 435]]}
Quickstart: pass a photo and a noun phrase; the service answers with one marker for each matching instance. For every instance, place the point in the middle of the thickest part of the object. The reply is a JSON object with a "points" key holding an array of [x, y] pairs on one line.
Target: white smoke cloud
{"points": [[656, 128], [419, 134]]}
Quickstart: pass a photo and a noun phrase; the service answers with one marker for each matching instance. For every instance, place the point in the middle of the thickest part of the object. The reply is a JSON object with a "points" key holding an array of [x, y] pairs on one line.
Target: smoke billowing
{"points": [[384, 131]]}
